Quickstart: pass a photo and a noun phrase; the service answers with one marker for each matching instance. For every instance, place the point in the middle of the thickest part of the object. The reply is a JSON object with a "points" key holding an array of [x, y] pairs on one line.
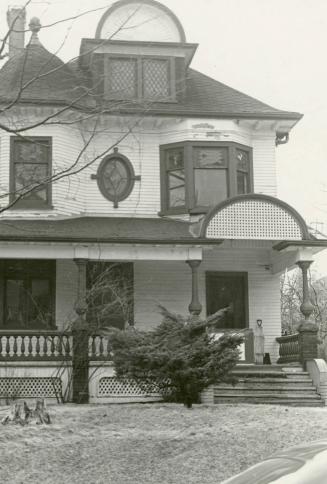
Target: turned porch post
{"points": [[80, 339], [195, 307], [308, 330]]}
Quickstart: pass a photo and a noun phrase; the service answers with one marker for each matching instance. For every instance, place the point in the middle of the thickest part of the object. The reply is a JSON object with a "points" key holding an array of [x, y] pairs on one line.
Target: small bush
{"points": [[180, 355]]}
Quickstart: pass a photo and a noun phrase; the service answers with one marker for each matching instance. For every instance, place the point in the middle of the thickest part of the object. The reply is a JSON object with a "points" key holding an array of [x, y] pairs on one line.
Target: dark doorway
{"points": [[110, 294], [228, 289]]}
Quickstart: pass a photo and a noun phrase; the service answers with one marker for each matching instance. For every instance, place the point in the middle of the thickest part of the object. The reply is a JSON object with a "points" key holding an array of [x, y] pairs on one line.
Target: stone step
{"points": [[302, 402], [267, 395], [270, 374], [264, 390], [276, 381]]}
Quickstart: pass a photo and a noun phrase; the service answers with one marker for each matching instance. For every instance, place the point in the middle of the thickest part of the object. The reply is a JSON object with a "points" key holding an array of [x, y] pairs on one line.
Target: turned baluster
{"points": [[101, 346], [93, 346], [22, 347], [59, 345], [45, 346], [30, 346], [8, 346], [37, 346], [67, 347], [0, 346], [15, 346], [53, 346]]}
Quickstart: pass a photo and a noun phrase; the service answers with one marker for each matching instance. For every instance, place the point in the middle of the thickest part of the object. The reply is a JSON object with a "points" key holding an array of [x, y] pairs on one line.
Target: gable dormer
{"points": [[139, 54]]}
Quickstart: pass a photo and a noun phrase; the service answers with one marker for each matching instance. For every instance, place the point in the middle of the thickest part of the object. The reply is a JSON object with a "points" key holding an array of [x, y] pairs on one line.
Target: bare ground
{"points": [[151, 443]]}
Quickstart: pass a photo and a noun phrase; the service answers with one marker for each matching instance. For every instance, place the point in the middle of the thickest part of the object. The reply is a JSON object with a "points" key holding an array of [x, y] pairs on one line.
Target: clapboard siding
{"points": [[67, 193], [79, 194], [264, 165], [66, 293], [169, 284]]}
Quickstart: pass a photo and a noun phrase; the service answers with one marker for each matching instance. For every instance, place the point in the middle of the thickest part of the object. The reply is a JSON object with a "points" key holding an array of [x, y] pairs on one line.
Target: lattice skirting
{"points": [[20, 387], [113, 387]]}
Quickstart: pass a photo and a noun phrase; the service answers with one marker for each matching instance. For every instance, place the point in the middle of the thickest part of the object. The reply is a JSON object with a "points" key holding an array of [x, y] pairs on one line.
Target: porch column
{"points": [[80, 339], [308, 330], [195, 307]]}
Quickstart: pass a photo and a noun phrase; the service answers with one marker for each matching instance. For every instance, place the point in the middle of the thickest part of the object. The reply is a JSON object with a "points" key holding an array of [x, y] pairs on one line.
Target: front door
{"points": [[228, 289]]}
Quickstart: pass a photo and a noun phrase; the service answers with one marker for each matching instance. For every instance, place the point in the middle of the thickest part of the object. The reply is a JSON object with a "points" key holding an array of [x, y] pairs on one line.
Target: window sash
{"points": [[192, 170], [138, 92], [16, 162]]}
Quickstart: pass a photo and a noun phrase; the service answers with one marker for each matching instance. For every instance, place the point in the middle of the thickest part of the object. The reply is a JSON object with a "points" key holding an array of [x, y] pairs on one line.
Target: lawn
{"points": [[151, 443]]}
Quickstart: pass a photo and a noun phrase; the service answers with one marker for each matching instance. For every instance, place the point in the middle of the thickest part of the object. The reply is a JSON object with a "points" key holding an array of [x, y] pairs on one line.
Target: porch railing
{"points": [[17, 345], [289, 348]]}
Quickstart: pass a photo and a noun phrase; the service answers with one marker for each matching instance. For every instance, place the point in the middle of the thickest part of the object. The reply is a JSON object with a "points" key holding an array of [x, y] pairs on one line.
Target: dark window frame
{"points": [[24, 203], [211, 275], [139, 78], [190, 205], [131, 177], [34, 269]]}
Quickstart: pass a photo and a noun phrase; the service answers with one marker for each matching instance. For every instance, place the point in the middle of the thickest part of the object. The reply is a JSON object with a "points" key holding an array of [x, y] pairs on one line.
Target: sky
{"points": [[273, 50]]}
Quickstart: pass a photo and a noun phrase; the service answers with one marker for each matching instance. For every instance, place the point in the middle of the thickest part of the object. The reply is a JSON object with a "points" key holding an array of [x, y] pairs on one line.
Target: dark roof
{"points": [[44, 78], [100, 229], [207, 97], [58, 83]]}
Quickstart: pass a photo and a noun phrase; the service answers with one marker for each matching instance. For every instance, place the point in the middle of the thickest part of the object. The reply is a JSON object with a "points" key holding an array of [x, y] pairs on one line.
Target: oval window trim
{"points": [[130, 177]]}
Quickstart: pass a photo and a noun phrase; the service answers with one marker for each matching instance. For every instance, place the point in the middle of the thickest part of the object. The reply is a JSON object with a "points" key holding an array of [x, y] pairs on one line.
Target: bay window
{"points": [[198, 175]]}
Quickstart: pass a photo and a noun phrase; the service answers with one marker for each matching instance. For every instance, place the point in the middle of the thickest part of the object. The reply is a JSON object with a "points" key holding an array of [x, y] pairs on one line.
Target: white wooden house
{"points": [[128, 155]]}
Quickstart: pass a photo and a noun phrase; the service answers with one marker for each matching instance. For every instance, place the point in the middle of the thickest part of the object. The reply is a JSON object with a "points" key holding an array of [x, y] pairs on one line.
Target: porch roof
{"points": [[102, 229]]}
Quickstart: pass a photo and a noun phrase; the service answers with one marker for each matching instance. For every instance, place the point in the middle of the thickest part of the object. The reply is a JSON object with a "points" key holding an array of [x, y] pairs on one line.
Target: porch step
{"points": [[276, 381], [274, 384], [263, 401]]}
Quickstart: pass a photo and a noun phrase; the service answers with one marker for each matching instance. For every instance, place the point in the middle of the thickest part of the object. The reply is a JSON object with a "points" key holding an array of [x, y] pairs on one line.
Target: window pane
{"points": [[210, 187], [115, 178], [34, 151], [15, 309], [39, 303], [155, 79], [243, 185], [122, 78], [109, 294], [28, 176], [210, 157], [243, 160], [176, 187], [175, 159]]}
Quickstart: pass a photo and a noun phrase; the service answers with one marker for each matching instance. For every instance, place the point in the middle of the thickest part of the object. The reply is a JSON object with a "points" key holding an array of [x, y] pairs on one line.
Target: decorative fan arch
{"points": [[254, 216]]}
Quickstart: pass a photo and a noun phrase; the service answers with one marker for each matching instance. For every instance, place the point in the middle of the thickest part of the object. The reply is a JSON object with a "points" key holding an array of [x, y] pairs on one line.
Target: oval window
{"points": [[115, 177]]}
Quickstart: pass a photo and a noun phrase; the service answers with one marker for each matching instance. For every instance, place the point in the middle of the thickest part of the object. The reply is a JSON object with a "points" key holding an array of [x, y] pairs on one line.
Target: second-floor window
{"points": [[197, 176], [30, 169], [140, 78]]}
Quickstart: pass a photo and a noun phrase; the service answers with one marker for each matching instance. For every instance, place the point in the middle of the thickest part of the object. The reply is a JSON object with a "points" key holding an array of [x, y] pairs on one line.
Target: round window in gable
{"points": [[116, 177]]}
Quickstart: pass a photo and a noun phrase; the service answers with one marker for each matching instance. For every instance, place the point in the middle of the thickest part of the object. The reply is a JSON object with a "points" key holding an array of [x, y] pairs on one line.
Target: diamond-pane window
{"points": [[122, 78], [140, 78], [155, 79]]}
